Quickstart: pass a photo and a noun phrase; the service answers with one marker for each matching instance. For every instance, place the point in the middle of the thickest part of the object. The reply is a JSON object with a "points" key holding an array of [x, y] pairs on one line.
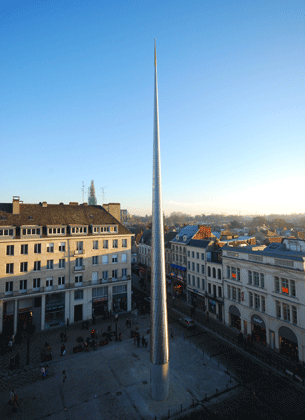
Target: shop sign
{"points": [[259, 321], [212, 302]]}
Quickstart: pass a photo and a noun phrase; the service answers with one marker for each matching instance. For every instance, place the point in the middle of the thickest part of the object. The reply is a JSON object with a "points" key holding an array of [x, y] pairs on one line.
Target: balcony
{"points": [[78, 252], [78, 268]]}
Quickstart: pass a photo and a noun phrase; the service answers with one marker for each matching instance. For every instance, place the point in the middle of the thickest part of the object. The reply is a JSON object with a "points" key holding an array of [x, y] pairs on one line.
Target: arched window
{"points": [[219, 274], [209, 271], [214, 273]]}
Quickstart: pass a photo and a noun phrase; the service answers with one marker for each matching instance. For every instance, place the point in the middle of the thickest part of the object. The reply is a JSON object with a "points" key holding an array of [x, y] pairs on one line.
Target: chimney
{"points": [[16, 205], [114, 209]]}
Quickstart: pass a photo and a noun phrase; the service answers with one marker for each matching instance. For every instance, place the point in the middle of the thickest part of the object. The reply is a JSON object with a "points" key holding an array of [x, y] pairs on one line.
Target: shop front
{"points": [[234, 317], [55, 310], [288, 343], [119, 298], [258, 329], [100, 301], [197, 300], [25, 314], [212, 306], [8, 318]]}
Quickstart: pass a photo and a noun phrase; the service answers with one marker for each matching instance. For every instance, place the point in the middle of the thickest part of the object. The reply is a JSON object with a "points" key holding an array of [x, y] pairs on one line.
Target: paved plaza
{"points": [[112, 382]]}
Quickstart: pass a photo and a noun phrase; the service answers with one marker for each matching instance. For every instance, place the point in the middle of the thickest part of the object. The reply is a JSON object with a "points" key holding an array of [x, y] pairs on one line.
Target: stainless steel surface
{"points": [[159, 349]]}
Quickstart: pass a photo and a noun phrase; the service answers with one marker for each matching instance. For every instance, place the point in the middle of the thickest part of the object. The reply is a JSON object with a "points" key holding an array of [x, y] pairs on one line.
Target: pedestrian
{"points": [[143, 341], [14, 400], [64, 377], [43, 372], [17, 360], [46, 370], [63, 350], [138, 340]]}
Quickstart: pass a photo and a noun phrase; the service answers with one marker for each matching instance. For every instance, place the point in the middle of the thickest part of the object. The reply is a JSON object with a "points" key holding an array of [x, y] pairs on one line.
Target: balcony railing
{"points": [[79, 268]]}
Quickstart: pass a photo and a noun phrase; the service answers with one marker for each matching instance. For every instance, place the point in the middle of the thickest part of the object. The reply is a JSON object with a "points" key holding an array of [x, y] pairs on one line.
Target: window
{"points": [[61, 280], [95, 244], [79, 247], [209, 288], [256, 301], [197, 255], [62, 247], [286, 312], [95, 260], [202, 284], [50, 247], [209, 271], [124, 272], [115, 243], [276, 284], [79, 262], [250, 277], [198, 282], [9, 287], [61, 263], [219, 291], [214, 290], [105, 259], [294, 315], [193, 280], [24, 249], [23, 285], [105, 275], [49, 264], [229, 291], [78, 279], [219, 274], [36, 283], [238, 295], [9, 268], [188, 265], [256, 278], [292, 288], [214, 273], [124, 243], [189, 279], [228, 271], [114, 258], [285, 287], [263, 304], [202, 257], [23, 267], [193, 266], [262, 280], [193, 254], [278, 309], [37, 265], [78, 294], [233, 273], [114, 274], [202, 269], [37, 248], [124, 258], [10, 250], [105, 244], [233, 293], [251, 300], [238, 274]]}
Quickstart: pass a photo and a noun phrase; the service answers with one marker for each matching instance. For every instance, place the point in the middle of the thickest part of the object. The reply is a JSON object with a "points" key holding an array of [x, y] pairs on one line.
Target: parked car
{"points": [[187, 322]]}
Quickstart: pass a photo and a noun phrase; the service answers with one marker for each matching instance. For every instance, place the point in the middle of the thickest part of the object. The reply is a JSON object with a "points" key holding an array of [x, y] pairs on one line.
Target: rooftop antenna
{"points": [[83, 190], [103, 194]]}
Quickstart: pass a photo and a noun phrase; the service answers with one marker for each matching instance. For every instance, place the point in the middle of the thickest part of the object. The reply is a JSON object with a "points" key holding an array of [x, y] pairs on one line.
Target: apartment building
{"points": [[265, 294], [61, 263]]}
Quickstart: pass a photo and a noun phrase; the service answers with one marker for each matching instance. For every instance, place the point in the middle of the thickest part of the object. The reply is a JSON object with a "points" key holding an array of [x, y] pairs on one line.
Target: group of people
{"points": [[137, 339]]}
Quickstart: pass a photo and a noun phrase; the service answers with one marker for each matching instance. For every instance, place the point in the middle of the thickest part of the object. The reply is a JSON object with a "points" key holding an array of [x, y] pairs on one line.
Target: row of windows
{"points": [[214, 290], [257, 302], [6, 232], [285, 286], [286, 312], [233, 273], [199, 283], [178, 249], [23, 284], [197, 255], [179, 258], [235, 293], [62, 263], [10, 249], [256, 279], [195, 267]]}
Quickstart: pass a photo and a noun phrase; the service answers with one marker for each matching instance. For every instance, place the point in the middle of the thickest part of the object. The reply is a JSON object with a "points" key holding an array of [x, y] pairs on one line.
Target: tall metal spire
{"points": [[159, 348]]}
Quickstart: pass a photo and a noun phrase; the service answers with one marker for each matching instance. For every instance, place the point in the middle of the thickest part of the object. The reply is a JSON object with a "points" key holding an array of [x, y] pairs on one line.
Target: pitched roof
{"points": [[58, 214]]}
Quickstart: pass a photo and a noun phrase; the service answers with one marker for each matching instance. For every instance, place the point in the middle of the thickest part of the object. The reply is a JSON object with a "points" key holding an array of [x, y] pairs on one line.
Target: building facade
{"points": [[61, 263], [265, 294]]}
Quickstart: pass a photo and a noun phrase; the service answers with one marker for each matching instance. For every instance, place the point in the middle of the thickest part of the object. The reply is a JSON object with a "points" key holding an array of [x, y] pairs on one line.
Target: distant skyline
{"points": [[77, 103]]}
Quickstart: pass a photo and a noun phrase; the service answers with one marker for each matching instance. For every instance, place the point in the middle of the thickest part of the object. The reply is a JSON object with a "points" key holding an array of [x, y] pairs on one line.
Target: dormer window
{"points": [[79, 230], [184, 238], [30, 231], [56, 231], [177, 237], [3, 218]]}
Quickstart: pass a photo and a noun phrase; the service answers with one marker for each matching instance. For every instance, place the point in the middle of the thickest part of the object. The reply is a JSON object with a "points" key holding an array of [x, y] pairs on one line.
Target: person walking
{"points": [[64, 377], [143, 341], [63, 350], [14, 400], [43, 372], [138, 340]]}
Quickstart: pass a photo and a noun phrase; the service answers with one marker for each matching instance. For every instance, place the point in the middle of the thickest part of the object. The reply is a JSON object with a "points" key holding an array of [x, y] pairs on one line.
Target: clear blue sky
{"points": [[76, 82]]}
